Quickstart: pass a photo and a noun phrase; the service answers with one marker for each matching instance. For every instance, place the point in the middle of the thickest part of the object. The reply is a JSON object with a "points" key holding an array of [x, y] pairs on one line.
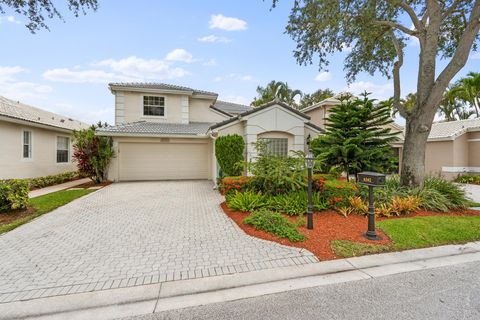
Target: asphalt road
{"points": [[442, 293]]}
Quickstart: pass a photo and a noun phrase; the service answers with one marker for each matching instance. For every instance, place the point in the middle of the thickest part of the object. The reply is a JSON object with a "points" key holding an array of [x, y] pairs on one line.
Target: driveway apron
{"points": [[131, 234]]}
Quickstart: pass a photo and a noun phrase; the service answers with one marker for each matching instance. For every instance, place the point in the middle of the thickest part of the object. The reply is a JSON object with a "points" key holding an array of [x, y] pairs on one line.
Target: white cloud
{"points": [[235, 76], [210, 63], [10, 19], [219, 21], [323, 76], [379, 91], [83, 113], [213, 38], [19, 90], [84, 76], [181, 55], [143, 68]]}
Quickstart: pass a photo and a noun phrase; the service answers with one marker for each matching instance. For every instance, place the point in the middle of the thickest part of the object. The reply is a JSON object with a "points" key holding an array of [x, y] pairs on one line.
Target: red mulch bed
{"points": [[93, 184], [328, 226], [9, 217]]}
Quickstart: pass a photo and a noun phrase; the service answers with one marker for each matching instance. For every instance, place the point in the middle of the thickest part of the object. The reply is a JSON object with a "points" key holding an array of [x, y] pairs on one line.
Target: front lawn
{"points": [[419, 232], [38, 206]]}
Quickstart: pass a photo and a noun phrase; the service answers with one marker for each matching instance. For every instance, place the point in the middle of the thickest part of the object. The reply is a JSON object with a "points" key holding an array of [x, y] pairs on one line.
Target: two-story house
{"points": [[168, 132]]}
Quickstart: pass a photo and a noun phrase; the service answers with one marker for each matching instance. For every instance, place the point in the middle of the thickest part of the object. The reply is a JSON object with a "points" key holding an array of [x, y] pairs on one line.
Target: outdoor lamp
{"points": [[309, 163]]}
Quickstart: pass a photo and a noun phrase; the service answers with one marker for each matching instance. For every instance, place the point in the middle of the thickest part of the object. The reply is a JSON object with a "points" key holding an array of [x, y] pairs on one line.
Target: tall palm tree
{"points": [[468, 89], [450, 104], [276, 90]]}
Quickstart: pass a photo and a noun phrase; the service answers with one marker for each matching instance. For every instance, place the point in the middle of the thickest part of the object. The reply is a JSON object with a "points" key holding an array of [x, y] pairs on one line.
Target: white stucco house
{"points": [[34, 142], [168, 132]]}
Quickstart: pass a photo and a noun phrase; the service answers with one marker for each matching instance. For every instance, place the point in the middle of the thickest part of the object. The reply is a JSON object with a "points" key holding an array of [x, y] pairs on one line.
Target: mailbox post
{"points": [[371, 179]]}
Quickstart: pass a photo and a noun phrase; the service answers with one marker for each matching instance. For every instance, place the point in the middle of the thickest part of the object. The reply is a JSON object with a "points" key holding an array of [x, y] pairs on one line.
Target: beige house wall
{"points": [[473, 142], [200, 111], [178, 109], [44, 152], [237, 128], [439, 154]]}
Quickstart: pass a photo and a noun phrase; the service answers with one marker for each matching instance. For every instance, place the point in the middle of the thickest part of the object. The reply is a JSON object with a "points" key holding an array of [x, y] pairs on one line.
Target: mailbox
{"points": [[373, 179]]}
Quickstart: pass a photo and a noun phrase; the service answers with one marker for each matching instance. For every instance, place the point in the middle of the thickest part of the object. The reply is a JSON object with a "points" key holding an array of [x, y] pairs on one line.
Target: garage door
{"points": [[163, 161]]}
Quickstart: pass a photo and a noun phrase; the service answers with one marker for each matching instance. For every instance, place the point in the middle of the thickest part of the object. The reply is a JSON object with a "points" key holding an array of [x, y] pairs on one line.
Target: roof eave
{"points": [[150, 135], [32, 123]]}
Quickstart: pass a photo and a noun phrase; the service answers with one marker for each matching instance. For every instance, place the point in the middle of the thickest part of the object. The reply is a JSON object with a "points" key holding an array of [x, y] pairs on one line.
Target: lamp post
{"points": [[309, 163]]}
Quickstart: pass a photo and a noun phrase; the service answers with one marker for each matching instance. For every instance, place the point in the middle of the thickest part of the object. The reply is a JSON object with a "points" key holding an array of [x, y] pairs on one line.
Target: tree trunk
{"points": [[417, 129]]}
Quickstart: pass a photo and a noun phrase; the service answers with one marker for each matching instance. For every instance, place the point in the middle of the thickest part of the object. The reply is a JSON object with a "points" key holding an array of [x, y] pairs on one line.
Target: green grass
{"points": [[45, 204], [345, 249], [419, 232]]}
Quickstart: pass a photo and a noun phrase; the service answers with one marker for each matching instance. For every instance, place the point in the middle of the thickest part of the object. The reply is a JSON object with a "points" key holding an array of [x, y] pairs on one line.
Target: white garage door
{"points": [[163, 161]]}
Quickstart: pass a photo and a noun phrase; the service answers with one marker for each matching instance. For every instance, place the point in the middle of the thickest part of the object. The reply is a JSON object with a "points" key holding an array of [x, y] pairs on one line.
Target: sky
{"points": [[228, 47]]}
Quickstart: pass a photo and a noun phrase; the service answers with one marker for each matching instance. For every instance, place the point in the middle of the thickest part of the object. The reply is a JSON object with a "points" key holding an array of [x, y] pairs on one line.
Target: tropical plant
{"points": [[405, 205], [246, 201], [229, 151], [455, 194], [293, 203], [468, 178], [468, 89], [92, 153], [275, 174], [357, 137], [276, 90], [374, 34], [275, 223], [37, 11]]}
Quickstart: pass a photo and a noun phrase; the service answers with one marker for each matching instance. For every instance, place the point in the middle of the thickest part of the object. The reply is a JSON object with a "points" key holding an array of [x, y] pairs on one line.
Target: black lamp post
{"points": [[309, 163]]}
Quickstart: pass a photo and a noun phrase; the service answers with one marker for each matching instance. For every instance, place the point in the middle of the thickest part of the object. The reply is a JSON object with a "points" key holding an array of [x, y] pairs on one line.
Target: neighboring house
{"points": [[318, 112], [452, 147], [167, 132], [34, 142]]}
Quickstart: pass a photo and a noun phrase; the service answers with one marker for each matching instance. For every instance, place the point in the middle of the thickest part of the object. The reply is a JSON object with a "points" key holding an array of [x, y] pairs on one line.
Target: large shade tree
{"points": [[377, 31], [37, 11]]}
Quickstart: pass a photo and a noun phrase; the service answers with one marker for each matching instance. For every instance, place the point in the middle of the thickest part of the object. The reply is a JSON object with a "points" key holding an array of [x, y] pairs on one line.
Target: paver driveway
{"points": [[131, 234]]}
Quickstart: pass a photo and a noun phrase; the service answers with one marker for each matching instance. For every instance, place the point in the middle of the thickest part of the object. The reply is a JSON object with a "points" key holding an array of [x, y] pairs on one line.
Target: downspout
{"points": [[213, 136]]}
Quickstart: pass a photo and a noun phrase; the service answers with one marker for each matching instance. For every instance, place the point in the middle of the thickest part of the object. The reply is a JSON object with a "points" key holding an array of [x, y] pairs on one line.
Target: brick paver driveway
{"points": [[131, 234]]}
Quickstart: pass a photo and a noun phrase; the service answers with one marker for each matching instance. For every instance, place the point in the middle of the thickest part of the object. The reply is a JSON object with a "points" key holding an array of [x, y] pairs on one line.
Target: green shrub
{"points": [[275, 223], [42, 182], [337, 192], [293, 204], [231, 184], [455, 194], [246, 201], [229, 151], [13, 195], [431, 199], [468, 178], [275, 174]]}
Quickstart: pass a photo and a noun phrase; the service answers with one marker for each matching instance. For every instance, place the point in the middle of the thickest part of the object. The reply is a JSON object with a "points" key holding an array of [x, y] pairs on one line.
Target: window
{"points": [[27, 144], [278, 146], [154, 106], [63, 149]]}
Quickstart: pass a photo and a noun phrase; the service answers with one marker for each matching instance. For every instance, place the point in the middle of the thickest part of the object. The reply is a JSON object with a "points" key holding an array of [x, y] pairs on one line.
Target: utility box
{"points": [[373, 179]]}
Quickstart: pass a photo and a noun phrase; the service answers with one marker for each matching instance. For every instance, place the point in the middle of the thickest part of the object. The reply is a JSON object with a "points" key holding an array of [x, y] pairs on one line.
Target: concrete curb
{"points": [[115, 303]]}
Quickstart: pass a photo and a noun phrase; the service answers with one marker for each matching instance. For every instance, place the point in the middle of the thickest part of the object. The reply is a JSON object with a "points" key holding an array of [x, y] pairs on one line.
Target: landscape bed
{"points": [[335, 236]]}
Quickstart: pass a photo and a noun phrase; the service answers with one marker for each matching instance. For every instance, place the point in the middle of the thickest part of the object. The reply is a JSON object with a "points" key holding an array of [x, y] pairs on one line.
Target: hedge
{"points": [[229, 153]]}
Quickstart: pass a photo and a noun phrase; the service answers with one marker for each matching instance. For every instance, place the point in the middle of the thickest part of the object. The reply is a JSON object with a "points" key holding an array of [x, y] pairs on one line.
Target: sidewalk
{"points": [[145, 299], [57, 187]]}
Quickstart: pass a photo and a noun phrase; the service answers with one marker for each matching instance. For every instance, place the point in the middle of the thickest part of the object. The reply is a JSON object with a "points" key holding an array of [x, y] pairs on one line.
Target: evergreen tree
{"points": [[357, 137]]}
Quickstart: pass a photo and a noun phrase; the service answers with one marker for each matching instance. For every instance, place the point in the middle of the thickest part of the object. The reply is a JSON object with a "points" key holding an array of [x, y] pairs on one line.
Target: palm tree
{"points": [[450, 104], [468, 89], [276, 90]]}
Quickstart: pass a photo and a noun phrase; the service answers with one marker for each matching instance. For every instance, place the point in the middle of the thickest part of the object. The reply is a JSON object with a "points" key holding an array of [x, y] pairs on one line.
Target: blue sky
{"points": [[228, 47]]}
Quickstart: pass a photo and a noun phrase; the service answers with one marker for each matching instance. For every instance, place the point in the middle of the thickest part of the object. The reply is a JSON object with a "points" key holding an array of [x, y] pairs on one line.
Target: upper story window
{"points": [[277, 146], [154, 106], [27, 144], [63, 149]]}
